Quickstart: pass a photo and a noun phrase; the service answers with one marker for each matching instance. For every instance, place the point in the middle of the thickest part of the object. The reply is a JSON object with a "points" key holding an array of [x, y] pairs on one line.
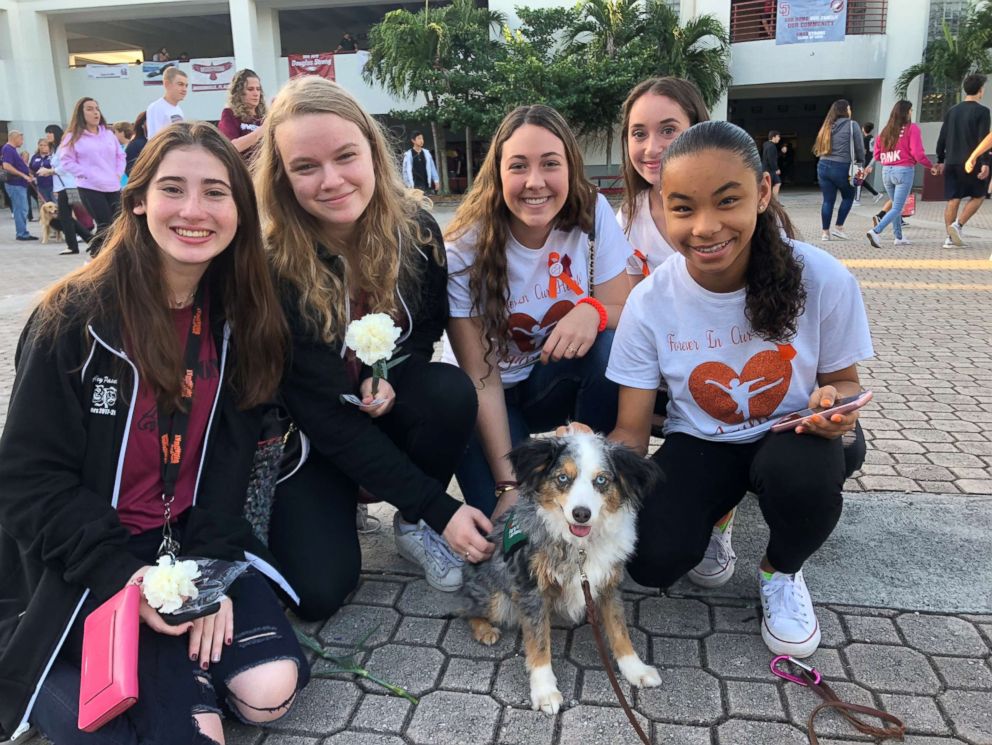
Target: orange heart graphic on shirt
{"points": [[530, 334], [754, 392]]}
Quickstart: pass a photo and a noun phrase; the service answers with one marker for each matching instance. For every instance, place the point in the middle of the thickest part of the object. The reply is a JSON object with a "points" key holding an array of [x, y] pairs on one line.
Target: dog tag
{"points": [[513, 537]]}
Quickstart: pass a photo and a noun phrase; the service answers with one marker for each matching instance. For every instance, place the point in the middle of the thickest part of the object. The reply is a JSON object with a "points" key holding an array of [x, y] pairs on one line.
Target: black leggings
{"points": [[68, 221], [103, 206], [798, 480], [313, 533]]}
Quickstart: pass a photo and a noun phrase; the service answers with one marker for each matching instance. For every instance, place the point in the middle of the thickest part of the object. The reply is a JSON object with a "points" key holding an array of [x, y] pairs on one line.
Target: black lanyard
{"points": [[172, 426]]}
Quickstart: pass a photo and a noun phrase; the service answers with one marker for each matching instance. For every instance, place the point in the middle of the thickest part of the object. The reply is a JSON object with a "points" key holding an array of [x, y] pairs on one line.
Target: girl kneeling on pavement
{"points": [[346, 240], [538, 278], [174, 328], [745, 326]]}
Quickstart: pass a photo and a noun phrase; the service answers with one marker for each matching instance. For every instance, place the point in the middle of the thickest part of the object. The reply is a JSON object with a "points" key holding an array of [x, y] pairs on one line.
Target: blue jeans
{"points": [[898, 182], [832, 176], [553, 394], [19, 204]]}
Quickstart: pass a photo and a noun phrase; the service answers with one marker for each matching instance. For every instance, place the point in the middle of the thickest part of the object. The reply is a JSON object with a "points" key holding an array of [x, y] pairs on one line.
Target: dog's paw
{"points": [[484, 632], [544, 693], [637, 673]]}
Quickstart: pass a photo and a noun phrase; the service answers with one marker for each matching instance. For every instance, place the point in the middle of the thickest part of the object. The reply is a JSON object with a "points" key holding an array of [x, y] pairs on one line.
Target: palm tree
{"points": [[950, 58], [413, 54]]}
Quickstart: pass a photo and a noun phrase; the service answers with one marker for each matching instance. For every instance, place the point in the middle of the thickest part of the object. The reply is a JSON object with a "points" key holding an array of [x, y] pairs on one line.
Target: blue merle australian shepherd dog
{"points": [[576, 493]]}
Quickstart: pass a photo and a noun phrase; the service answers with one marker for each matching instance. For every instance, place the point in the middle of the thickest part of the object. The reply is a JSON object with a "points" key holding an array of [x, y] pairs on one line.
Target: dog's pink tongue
{"points": [[580, 530]]}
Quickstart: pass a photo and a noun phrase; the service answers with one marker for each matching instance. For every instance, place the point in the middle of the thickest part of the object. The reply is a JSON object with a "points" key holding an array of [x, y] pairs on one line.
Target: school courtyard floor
{"points": [[903, 587]]}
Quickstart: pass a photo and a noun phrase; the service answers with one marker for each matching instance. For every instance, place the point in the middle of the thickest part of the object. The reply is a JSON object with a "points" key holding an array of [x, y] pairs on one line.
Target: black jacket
{"points": [[316, 376], [61, 457], [769, 157]]}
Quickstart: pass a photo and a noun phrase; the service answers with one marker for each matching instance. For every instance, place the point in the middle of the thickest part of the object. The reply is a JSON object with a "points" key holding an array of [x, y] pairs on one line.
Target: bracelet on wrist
{"points": [[502, 487], [600, 308]]}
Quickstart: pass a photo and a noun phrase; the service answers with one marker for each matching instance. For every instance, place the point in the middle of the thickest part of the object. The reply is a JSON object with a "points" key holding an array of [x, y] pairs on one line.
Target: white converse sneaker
{"points": [[421, 545], [717, 566], [948, 243], [838, 233], [873, 238], [789, 624], [954, 233], [902, 242]]}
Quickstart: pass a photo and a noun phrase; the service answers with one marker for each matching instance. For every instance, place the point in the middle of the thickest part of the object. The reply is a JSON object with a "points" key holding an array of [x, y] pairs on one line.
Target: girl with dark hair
{"points": [[841, 150], [72, 229], [656, 111], [898, 148], [241, 119], [91, 153], [744, 325], [345, 240], [103, 366], [137, 143], [536, 285]]}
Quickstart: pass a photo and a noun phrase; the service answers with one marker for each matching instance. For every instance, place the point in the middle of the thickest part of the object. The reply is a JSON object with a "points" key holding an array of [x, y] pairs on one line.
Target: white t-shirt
{"points": [[644, 236], [160, 114], [533, 312], [725, 383]]}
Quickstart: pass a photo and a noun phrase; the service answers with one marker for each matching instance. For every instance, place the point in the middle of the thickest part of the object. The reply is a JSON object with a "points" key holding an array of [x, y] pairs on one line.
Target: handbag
{"points": [[855, 173], [909, 209], [108, 685], [71, 193]]}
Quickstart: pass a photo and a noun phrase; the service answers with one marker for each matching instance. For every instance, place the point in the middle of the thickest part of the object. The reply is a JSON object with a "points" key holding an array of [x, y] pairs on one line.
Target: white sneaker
{"points": [[824, 235], [421, 545], [902, 242], [838, 233], [948, 243], [788, 624], [877, 197], [717, 566], [873, 238], [954, 233]]}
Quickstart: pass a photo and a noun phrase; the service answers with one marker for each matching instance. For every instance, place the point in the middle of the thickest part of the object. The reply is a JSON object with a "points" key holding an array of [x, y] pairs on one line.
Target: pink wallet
{"points": [[109, 683]]}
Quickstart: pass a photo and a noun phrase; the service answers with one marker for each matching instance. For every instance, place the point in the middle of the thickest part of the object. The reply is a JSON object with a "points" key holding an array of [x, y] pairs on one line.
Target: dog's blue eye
{"points": [[562, 479], [601, 480]]}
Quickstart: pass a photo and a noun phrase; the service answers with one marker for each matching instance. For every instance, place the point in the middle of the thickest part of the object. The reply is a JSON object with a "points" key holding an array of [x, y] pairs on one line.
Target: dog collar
{"points": [[513, 537]]}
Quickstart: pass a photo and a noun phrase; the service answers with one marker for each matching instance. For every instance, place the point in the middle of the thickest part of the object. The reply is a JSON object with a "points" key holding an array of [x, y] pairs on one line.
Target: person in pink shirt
{"points": [[898, 149], [91, 153]]}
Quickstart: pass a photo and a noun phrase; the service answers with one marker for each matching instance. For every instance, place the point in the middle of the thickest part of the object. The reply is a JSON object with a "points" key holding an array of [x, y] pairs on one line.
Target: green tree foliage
{"points": [[950, 58]]}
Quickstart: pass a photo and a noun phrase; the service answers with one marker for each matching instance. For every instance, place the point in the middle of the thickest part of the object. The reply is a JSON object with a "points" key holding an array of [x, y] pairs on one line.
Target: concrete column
{"points": [[257, 41], [31, 61]]}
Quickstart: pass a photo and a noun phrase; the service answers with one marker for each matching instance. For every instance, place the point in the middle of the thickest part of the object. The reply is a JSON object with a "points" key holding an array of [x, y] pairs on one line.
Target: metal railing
{"points": [[755, 20]]}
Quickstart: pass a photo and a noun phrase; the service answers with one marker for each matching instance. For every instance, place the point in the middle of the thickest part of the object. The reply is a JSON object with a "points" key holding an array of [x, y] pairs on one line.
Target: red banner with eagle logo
{"points": [[211, 73]]}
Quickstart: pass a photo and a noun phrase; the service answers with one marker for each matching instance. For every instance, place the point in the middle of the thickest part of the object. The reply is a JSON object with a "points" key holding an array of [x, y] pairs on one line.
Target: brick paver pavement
{"points": [[929, 315]]}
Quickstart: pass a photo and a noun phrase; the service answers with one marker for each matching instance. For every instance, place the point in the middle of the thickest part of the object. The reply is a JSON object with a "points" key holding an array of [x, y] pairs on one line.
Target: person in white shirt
{"points": [[657, 110], [536, 284], [165, 111], [745, 326]]}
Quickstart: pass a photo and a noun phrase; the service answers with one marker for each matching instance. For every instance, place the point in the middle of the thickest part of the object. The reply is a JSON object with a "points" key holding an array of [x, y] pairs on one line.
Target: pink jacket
{"points": [[908, 150], [96, 160]]}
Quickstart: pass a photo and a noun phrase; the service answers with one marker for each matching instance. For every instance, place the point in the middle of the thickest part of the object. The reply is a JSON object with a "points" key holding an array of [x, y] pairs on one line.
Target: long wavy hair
{"points": [[838, 110], [899, 118], [690, 100], [236, 96], [386, 233], [485, 216], [126, 281], [775, 293], [77, 122]]}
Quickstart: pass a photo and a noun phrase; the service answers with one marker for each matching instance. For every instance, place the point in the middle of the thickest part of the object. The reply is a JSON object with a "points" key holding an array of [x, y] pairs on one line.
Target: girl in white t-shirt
{"points": [[744, 325], [657, 110], [524, 324]]}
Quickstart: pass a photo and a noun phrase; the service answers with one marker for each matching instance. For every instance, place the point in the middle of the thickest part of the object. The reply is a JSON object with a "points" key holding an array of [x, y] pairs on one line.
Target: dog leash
{"points": [[593, 617], [810, 677]]}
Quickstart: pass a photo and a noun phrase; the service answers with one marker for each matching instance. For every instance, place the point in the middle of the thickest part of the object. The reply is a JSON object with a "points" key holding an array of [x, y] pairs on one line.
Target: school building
{"points": [[47, 45]]}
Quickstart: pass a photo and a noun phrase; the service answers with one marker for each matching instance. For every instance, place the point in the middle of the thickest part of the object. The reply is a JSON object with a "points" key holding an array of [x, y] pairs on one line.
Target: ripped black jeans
{"points": [[171, 687]]}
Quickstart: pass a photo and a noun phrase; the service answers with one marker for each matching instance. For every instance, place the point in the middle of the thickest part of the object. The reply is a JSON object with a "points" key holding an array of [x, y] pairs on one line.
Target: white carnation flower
{"points": [[373, 337], [169, 584]]}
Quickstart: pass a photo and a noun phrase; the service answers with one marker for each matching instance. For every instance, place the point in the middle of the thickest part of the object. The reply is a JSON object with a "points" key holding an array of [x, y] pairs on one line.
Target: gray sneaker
{"points": [[419, 544]]}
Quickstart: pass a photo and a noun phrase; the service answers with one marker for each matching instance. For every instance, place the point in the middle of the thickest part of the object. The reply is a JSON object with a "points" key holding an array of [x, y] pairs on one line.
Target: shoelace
{"points": [[783, 594], [439, 551]]}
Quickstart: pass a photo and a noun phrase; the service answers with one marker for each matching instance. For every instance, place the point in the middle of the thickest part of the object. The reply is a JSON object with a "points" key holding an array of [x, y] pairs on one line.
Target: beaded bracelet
{"points": [[600, 308]]}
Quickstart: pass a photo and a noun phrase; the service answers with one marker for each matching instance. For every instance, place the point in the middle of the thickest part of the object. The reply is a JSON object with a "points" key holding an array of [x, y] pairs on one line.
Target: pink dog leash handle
{"points": [[813, 672]]}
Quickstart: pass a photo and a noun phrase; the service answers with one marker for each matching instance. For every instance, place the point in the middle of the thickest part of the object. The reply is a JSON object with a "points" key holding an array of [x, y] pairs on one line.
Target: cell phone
{"points": [[841, 406], [183, 616]]}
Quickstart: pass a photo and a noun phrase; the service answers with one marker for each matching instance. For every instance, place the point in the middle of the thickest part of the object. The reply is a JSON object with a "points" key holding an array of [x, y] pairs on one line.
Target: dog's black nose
{"points": [[581, 514]]}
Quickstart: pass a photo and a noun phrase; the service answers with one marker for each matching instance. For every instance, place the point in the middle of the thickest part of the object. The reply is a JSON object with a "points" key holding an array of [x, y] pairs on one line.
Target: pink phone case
{"points": [[109, 682], [791, 421]]}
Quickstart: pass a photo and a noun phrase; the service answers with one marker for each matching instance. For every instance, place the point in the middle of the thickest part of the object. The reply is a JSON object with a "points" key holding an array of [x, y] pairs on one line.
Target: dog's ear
{"points": [[532, 459], [636, 475]]}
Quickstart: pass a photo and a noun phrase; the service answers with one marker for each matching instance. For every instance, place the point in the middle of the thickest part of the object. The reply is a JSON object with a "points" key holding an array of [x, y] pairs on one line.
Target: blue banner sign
{"points": [[809, 21]]}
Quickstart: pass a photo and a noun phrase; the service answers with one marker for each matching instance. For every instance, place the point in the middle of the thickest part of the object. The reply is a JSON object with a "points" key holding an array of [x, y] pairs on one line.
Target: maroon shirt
{"points": [[233, 128], [140, 504]]}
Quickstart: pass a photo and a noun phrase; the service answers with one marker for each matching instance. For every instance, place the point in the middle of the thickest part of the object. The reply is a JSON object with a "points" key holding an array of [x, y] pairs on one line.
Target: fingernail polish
{"points": [[228, 641], [204, 665], [193, 657]]}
